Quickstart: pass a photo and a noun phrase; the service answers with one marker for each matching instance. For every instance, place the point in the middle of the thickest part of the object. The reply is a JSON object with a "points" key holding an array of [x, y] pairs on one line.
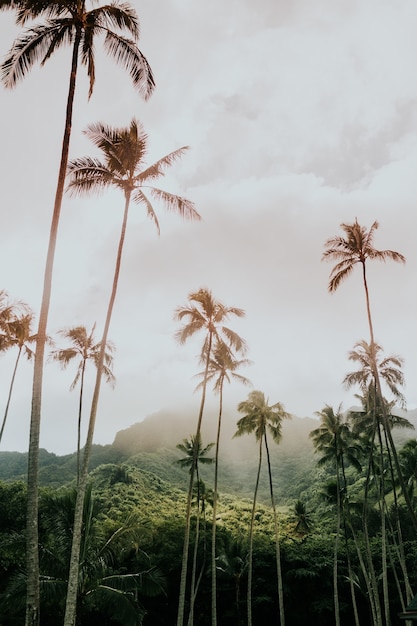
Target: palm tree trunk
{"points": [[80, 410], [6, 410], [277, 547], [383, 407], [193, 591], [372, 576], [252, 521], [184, 563], [214, 527], [336, 549], [32, 556], [345, 534], [71, 603], [383, 530]]}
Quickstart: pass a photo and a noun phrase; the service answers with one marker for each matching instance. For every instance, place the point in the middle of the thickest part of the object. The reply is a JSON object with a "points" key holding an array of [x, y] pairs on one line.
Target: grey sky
{"points": [[299, 116]]}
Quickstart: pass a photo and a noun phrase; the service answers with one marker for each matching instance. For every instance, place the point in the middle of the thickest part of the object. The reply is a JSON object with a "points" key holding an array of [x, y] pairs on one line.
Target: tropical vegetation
{"points": [[118, 535]]}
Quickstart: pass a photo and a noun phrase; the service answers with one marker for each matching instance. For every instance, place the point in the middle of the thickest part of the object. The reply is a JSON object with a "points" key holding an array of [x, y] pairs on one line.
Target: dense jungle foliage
{"points": [[134, 530]]}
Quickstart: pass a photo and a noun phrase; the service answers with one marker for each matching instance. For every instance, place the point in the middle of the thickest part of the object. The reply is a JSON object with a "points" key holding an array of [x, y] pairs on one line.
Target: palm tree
{"points": [[64, 22], [334, 440], [204, 313], [304, 521], [233, 562], [408, 460], [86, 349], [357, 247], [123, 151], [191, 447], [19, 335], [260, 418], [222, 367]]}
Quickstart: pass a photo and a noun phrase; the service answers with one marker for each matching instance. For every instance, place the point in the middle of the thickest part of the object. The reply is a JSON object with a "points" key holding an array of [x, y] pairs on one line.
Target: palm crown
{"points": [[259, 417], [389, 369], [356, 247], [207, 313], [123, 167], [69, 21]]}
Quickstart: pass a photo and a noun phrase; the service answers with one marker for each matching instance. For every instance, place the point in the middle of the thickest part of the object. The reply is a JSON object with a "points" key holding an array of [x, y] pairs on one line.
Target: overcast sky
{"points": [[299, 116]]}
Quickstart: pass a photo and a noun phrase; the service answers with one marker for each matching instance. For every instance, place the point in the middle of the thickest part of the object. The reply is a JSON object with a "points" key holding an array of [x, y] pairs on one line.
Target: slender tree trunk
{"points": [[252, 521], [6, 411], [277, 547], [80, 410], [32, 556], [345, 533], [71, 603], [371, 569], [193, 590], [336, 550], [214, 527], [383, 530], [398, 545], [383, 407], [184, 564]]}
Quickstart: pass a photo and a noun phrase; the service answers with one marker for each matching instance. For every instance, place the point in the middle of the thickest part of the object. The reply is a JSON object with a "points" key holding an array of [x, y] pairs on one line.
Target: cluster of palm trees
{"points": [[364, 437], [121, 164], [48, 26], [220, 355]]}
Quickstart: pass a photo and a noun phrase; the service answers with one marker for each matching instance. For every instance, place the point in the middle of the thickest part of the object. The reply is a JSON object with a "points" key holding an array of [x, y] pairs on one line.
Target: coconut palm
{"points": [[64, 22], [85, 348], [374, 425], [358, 247], [259, 419], [204, 313], [222, 368], [19, 335], [334, 440], [193, 447], [303, 518], [123, 167]]}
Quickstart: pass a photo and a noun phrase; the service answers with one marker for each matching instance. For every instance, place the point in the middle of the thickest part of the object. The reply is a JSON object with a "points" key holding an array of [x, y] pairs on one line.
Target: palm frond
{"points": [[126, 53], [35, 44], [139, 197], [177, 204], [157, 169]]}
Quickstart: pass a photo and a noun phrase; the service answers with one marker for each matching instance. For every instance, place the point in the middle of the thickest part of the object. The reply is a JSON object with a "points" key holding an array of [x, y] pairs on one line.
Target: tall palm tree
{"points": [[65, 22], [203, 313], [123, 167], [358, 247], [191, 447], [83, 346], [260, 418], [19, 335], [222, 368], [334, 440]]}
